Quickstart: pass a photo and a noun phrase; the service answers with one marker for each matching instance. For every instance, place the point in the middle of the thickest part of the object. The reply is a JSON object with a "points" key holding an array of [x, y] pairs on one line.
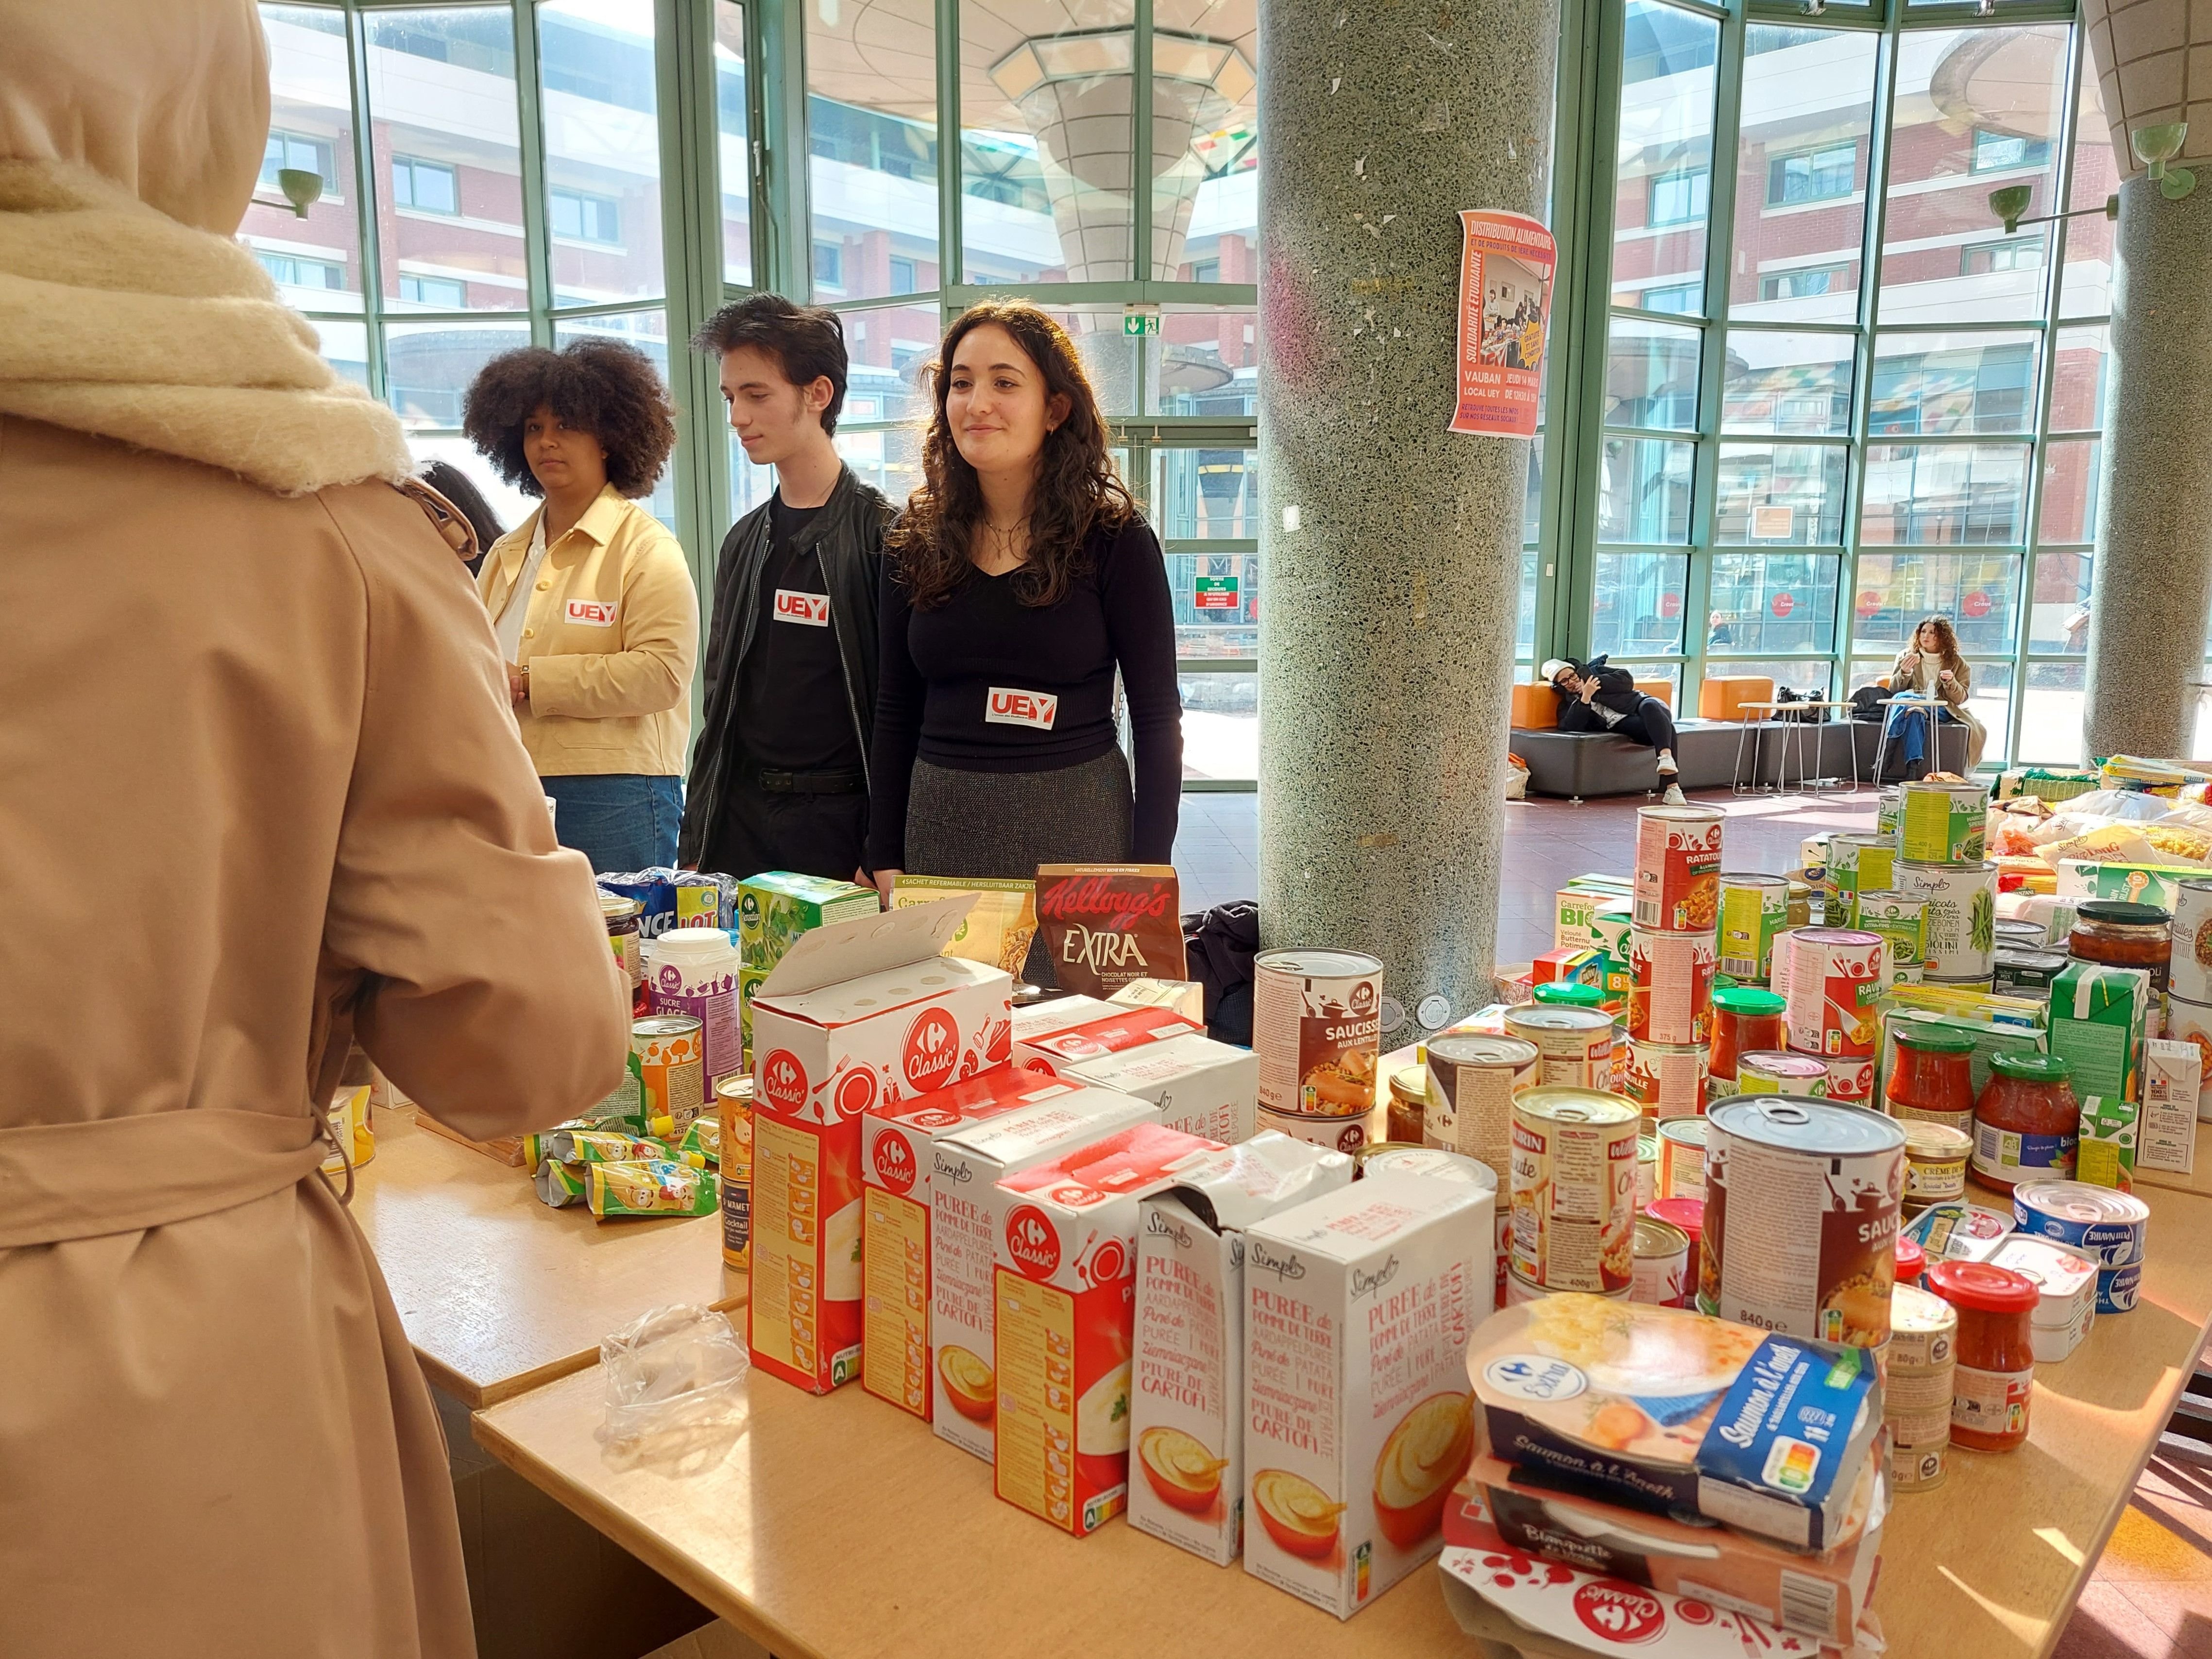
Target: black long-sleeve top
{"points": [[985, 683]]}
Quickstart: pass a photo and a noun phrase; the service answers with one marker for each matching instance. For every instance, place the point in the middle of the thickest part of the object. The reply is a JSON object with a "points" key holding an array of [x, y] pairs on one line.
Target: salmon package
{"points": [[1106, 925], [659, 1188]]}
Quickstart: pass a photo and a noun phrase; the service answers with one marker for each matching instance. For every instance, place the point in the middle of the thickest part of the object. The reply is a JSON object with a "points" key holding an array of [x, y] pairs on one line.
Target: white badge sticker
{"points": [[813, 609], [590, 613], [1010, 707]]}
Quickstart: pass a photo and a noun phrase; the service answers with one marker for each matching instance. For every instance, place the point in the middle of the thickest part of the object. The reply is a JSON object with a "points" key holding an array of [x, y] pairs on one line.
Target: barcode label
{"points": [[1650, 913], [1808, 1604]]}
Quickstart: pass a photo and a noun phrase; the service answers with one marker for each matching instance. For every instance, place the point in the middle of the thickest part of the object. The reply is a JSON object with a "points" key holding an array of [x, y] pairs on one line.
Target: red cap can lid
{"points": [[1912, 1261], [1688, 1214], [1978, 1285]]}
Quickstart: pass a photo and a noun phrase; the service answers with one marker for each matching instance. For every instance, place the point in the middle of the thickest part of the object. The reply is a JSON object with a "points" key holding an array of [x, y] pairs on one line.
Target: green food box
{"points": [[749, 984], [2107, 1154], [1988, 1035], [774, 909], [2098, 1015], [2129, 884], [1577, 903]]}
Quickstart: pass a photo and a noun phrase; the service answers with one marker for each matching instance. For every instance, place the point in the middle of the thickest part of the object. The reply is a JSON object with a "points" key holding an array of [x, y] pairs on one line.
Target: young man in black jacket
{"points": [[779, 777], [1596, 696]]}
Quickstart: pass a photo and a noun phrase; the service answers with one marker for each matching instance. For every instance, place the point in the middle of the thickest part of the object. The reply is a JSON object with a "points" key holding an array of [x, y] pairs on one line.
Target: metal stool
{"points": [[1922, 706]]}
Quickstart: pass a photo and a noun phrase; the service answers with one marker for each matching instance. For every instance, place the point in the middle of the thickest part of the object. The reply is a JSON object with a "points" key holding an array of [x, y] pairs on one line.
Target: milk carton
{"points": [[898, 1152], [965, 1168], [2173, 1075], [855, 1015], [1186, 1393], [1357, 1418], [1202, 1087], [1064, 1286]]}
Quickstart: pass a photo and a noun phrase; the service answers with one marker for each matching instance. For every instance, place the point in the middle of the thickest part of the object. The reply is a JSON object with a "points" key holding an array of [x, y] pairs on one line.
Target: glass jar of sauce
{"points": [[1746, 1020], [1995, 1348], [2027, 1123], [1932, 1077], [1407, 1119], [2124, 936]]}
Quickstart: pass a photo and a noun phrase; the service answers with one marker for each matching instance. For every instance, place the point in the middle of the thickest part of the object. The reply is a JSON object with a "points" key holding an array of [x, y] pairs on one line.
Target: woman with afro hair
{"points": [[590, 596]]}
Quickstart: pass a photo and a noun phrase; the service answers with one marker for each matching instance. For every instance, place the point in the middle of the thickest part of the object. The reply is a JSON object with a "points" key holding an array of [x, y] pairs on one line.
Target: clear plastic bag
{"points": [[677, 1377]]}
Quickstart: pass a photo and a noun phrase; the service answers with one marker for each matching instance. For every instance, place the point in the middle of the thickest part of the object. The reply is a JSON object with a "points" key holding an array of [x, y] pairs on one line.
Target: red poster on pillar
{"points": [[1504, 310]]}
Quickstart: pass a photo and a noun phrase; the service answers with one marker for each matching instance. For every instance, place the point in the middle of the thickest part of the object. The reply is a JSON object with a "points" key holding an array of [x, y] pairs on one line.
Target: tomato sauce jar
{"points": [[1746, 1020], [1932, 1077], [2123, 936], [1995, 1372], [2027, 1123]]}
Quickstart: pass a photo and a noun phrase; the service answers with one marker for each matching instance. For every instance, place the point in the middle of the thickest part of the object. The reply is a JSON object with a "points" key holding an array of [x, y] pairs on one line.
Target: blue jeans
{"points": [[621, 821], [1908, 725]]}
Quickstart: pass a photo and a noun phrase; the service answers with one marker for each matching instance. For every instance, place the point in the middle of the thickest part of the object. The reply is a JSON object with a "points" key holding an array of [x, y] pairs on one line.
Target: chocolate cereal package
{"points": [[1106, 925]]}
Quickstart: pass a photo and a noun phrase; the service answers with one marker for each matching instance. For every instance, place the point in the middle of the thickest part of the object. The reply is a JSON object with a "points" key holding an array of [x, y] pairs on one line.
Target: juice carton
{"points": [[2098, 1020], [1357, 1418], [1063, 1287], [898, 1155], [2173, 1075], [775, 908], [2105, 1156], [1187, 1400], [965, 1168], [857, 1014], [1202, 1087]]}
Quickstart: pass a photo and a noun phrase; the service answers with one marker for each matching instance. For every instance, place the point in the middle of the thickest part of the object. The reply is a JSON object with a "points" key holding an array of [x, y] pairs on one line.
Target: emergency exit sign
{"points": [[1140, 322], [1215, 593]]}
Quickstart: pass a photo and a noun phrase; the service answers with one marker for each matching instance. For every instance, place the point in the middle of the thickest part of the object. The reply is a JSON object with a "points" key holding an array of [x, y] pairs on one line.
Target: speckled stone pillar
{"points": [[2153, 582], [1391, 547]]}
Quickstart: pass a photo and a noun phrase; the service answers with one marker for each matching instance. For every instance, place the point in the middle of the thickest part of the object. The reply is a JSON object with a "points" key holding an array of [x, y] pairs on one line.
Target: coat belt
{"points": [[63, 1181]]}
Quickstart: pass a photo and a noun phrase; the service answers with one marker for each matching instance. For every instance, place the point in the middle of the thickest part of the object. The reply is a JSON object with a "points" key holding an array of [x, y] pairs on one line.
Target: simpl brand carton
{"points": [[857, 1014], [1202, 1087], [965, 1168], [1040, 1020], [1187, 1389], [898, 1155], [1063, 1285], [1357, 1416]]}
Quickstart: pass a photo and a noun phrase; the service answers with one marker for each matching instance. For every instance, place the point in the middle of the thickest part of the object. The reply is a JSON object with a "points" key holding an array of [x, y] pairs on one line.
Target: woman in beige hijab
{"points": [[258, 794]]}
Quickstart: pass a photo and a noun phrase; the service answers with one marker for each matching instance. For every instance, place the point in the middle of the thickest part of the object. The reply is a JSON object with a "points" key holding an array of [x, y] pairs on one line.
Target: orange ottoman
{"points": [[1535, 707], [1723, 697]]}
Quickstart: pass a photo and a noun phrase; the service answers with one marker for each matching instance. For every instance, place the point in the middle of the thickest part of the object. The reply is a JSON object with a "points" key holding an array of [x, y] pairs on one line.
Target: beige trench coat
{"points": [[258, 787]]}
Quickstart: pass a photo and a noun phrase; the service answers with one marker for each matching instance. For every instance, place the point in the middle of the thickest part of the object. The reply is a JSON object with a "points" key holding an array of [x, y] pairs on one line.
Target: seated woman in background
{"points": [[1931, 667], [590, 596], [1596, 696]]}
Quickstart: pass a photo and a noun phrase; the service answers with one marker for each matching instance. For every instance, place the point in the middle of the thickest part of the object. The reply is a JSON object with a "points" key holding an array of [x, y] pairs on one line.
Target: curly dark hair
{"points": [[1077, 488], [608, 389]]}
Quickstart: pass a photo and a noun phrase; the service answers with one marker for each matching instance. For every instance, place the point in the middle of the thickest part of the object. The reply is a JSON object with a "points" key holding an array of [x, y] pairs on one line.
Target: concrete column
{"points": [[1391, 548]]}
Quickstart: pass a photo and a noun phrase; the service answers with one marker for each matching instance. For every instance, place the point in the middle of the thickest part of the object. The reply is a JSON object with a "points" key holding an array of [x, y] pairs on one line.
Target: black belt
{"points": [[773, 782]]}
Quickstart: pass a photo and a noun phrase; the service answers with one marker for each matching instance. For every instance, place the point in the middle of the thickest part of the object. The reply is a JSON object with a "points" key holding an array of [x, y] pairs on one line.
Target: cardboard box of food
{"points": [[2104, 1155], [1063, 1285], [1187, 1400], [1186, 996], [857, 1014], [2172, 1082], [1038, 1019], [1082, 1028], [777, 906], [2099, 1018], [1202, 1087], [1358, 1421]]}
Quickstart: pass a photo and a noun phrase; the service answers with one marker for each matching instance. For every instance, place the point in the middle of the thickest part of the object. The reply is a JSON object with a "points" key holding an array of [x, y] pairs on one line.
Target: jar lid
{"points": [[1688, 1214], [1932, 1142], [1931, 1039], [2114, 913], [1570, 995], [1410, 1085], [2031, 1066], [1912, 1261], [1748, 1000], [1985, 1289]]}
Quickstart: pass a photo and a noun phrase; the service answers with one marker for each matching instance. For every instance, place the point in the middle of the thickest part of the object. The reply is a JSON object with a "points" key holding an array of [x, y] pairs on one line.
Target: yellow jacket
{"points": [[611, 636]]}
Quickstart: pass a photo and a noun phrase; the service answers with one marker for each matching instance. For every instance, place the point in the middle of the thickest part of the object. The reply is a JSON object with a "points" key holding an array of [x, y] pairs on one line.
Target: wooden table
{"points": [[499, 1293], [842, 1528]]}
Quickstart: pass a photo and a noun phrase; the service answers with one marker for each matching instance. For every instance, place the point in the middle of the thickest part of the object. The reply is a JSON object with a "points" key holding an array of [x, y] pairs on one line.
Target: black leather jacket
{"points": [[1616, 689], [849, 529]]}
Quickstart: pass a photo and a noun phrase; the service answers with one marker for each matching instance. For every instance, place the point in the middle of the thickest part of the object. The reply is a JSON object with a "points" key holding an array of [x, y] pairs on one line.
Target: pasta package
{"points": [[998, 931], [1106, 925], [659, 1187]]}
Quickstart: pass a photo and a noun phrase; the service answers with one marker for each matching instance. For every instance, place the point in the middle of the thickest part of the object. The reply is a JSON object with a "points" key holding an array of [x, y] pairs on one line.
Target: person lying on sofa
{"points": [[1596, 696]]}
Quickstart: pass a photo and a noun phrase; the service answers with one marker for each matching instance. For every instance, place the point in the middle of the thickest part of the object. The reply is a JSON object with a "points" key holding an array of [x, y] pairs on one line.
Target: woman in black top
{"points": [[1019, 578]]}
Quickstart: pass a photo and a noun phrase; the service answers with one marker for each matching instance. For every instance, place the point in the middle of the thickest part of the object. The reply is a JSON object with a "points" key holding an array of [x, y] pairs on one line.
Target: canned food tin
{"points": [[1936, 1156], [1917, 1386], [733, 1099], [1678, 869], [1428, 1161], [1470, 1094], [2021, 973], [1574, 1046], [1850, 1079], [1837, 977], [1340, 1134], [670, 1050], [1957, 1231], [1754, 908], [2103, 1223], [1670, 986], [1858, 862], [1901, 919], [1647, 1170], [1662, 1263], [1942, 823], [1316, 1022], [1574, 1188], [1959, 939], [2021, 934], [2116, 1288], [1777, 1072], [1682, 1159], [1809, 1192], [1889, 810], [1519, 1289], [2190, 971], [1667, 1080]]}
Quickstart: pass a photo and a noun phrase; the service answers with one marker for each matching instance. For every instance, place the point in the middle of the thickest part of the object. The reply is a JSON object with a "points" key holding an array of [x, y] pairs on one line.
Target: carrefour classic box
{"points": [[898, 1156], [857, 1014], [1186, 1393], [1064, 1286], [1358, 1419], [965, 1168], [1202, 1087]]}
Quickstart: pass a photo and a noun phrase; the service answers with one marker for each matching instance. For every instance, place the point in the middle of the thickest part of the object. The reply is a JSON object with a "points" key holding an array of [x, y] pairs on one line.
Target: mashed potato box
{"points": [[965, 1168], [1357, 1420], [857, 1014], [1064, 1286], [1038, 1019], [1201, 1087]]}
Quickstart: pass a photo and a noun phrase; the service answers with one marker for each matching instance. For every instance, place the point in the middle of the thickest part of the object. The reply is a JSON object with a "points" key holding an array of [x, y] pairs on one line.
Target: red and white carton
{"points": [[1187, 1400], [1102, 1029], [1064, 1286], [1038, 1019], [859, 1014], [965, 1168], [1202, 1087], [1358, 1416], [898, 1156]]}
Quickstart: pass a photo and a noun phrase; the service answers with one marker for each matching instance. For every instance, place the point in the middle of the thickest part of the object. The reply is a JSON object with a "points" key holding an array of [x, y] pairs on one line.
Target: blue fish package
{"points": [[2107, 1226]]}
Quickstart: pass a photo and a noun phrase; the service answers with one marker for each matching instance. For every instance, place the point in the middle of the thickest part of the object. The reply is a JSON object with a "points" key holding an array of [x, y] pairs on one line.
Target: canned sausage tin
{"points": [[1573, 1189], [1858, 862], [1774, 1072], [1678, 869], [1682, 1159], [671, 1053], [2103, 1223], [1338, 1134], [1754, 908], [1835, 981], [1916, 1387], [1316, 1022], [1670, 986], [1850, 1079], [1574, 1045], [1470, 1084], [2190, 971], [733, 1099], [1936, 1156], [1901, 919], [1662, 1263], [1801, 1218], [1667, 1080], [1959, 937], [1942, 823]]}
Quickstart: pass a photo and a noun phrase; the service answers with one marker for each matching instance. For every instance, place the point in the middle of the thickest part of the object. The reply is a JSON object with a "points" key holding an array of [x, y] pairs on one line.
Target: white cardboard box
{"points": [[1038, 1019], [1186, 1392], [1202, 1087], [2172, 1078]]}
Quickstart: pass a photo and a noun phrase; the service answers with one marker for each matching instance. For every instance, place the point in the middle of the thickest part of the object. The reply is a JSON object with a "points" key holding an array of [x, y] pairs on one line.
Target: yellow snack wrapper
{"points": [[660, 1186], [998, 930], [559, 1185]]}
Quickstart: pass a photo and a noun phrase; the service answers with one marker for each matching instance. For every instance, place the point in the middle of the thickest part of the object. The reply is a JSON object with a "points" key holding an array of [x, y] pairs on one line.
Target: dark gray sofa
{"points": [[1579, 765]]}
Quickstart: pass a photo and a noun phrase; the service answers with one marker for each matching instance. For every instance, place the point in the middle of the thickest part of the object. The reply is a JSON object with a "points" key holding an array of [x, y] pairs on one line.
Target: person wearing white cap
{"points": [[1596, 696]]}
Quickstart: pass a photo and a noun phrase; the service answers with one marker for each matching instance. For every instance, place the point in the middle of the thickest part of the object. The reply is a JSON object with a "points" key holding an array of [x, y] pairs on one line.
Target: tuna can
{"points": [[1574, 1046], [1678, 869], [1472, 1080], [2106, 1225], [733, 1098], [1809, 1192], [1776, 1072], [2022, 934], [1338, 1134], [1901, 919], [1916, 1387], [1936, 1157], [1835, 981], [671, 1057], [2021, 973], [1959, 942], [1670, 986], [1667, 1080], [1574, 1190], [1647, 1170], [1942, 823], [1662, 1263], [622, 932], [1850, 1079], [1858, 862], [1317, 1024], [2116, 1288], [2190, 968], [1682, 1159], [1754, 910]]}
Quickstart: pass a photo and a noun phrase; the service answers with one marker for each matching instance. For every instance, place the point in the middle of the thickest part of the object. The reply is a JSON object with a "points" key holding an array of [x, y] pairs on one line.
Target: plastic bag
{"points": [[677, 1371]]}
